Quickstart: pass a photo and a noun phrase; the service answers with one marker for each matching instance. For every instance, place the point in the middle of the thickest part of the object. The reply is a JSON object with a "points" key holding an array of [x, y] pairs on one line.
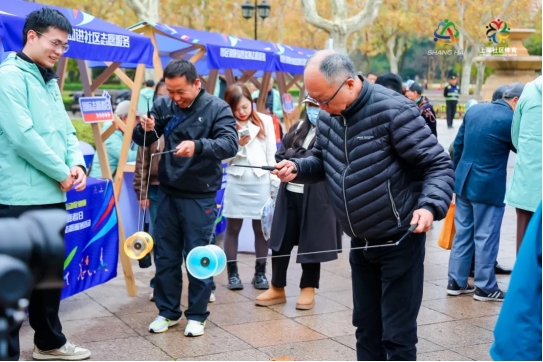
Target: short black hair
{"points": [[391, 81], [150, 83], [43, 19], [372, 73], [181, 68]]}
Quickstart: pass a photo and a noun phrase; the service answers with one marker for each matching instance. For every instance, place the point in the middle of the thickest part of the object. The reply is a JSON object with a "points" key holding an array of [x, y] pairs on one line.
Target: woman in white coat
{"points": [[248, 189]]}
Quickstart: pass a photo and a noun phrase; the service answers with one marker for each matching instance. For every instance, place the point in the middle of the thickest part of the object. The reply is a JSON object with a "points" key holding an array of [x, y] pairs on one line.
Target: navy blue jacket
{"points": [[481, 150]]}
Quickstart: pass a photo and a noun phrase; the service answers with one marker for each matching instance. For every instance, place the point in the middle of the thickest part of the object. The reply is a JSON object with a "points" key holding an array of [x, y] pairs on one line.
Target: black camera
{"points": [[31, 257]]}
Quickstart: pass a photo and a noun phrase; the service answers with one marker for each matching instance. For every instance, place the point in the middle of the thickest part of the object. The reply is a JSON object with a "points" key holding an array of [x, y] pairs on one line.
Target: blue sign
{"points": [[288, 106], [96, 109], [92, 237]]}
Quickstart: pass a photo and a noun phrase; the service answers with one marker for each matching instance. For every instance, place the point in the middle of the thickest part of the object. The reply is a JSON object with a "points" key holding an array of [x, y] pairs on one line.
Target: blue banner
{"points": [[92, 38], [92, 237]]}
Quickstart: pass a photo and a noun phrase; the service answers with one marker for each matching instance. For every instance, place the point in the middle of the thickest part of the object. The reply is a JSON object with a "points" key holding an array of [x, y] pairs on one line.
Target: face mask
{"points": [[312, 114]]}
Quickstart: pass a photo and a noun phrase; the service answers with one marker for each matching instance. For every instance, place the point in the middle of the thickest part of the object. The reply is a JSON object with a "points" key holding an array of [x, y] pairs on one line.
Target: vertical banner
{"points": [[92, 237]]}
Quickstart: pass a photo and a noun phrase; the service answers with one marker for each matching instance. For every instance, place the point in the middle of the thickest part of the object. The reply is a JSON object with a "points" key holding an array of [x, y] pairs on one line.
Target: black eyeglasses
{"points": [[58, 46], [325, 103]]}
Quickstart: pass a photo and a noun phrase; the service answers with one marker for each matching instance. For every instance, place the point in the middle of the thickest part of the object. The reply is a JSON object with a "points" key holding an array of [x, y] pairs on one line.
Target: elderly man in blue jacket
{"points": [[481, 150]]}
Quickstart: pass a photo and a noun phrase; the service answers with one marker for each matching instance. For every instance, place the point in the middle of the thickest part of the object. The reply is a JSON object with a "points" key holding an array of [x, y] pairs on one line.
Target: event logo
{"points": [[446, 32], [79, 17], [497, 31]]}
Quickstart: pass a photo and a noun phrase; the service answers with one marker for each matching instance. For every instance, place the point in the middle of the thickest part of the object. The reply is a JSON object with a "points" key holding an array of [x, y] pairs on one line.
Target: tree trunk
{"points": [[431, 74], [467, 62], [146, 10], [480, 77], [341, 26], [391, 54]]}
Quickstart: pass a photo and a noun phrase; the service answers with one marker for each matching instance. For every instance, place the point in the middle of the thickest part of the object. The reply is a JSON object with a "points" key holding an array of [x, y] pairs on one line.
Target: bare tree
{"points": [[145, 9], [469, 41], [480, 77], [341, 26]]}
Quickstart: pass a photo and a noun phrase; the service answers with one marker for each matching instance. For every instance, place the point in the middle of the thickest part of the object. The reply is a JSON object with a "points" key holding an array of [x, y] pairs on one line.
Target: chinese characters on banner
{"points": [[98, 38], [92, 237], [498, 50]]}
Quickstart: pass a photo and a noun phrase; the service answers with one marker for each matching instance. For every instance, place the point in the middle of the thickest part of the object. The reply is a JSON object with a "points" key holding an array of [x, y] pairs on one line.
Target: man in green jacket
{"points": [[146, 96], [524, 191], [40, 159]]}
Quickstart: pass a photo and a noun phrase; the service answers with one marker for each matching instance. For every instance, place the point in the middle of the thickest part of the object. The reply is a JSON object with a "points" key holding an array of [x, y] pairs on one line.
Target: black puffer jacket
{"points": [[381, 164], [210, 124]]}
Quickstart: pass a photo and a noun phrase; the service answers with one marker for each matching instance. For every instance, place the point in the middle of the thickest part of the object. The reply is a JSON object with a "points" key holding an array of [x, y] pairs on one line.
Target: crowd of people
{"points": [[364, 160]]}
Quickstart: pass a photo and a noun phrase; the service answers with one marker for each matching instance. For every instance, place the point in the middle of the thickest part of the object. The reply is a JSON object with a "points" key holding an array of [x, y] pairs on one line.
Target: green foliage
{"points": [[76, 87], [67, 100], [84, 131]]}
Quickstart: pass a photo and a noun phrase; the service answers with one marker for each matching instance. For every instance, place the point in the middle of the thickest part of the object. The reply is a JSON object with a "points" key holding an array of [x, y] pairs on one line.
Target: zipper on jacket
{"points": [[344, 196], [393, 205]]}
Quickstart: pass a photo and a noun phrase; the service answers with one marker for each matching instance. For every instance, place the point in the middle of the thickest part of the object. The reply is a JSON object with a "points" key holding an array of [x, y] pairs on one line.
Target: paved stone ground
{"points": [[114, 326]]}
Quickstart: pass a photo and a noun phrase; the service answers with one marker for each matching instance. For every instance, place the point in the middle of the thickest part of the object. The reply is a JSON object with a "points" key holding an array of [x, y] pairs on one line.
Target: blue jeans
{"points": [[477, 230]]}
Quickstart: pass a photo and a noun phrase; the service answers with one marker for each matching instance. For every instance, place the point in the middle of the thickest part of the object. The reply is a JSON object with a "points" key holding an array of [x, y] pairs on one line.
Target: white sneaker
{"points": [[68, 352], [151, 297], [195, 328], [161, 324], [212, 298]]}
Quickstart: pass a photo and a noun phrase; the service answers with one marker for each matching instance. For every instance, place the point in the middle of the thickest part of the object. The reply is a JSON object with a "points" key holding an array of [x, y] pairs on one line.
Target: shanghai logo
{"points": [[497, 31], [446, 32]]}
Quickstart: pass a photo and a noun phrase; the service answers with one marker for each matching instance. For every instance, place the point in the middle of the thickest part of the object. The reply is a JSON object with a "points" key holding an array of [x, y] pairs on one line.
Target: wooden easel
{"points": [[89, 87]]}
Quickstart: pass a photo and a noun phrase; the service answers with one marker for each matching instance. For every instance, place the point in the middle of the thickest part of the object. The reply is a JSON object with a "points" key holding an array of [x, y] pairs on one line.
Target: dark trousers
{"points": [[181, 225], [451, 111], [311, 272], [44, 303], [387, 293], [523, 219]]}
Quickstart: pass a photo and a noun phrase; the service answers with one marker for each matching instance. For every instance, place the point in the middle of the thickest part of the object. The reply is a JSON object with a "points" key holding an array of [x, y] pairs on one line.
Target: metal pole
{"points": [[256, 11]]}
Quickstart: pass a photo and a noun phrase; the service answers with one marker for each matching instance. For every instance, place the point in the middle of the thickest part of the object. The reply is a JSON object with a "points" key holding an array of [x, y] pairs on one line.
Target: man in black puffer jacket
{"points": [[384, 172]]}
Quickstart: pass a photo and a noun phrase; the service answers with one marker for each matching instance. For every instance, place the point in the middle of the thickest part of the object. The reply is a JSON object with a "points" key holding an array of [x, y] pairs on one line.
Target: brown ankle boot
{"points": [[307, 299], [272, 296]]}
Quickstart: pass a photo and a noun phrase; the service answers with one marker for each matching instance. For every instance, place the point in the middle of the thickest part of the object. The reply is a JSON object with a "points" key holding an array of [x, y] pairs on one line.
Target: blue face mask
{"points": [[312, 114]]}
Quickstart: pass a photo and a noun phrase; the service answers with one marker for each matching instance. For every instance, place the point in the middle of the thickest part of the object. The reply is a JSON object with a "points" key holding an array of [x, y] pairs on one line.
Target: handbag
{"points": [[448, 230]]}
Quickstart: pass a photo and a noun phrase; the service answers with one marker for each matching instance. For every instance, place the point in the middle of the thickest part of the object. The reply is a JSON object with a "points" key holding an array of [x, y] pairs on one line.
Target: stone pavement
{"points": [[114, 326]]}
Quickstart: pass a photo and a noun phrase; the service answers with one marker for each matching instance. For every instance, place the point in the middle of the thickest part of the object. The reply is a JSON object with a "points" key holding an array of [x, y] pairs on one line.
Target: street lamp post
{"points": [[248, 11]]}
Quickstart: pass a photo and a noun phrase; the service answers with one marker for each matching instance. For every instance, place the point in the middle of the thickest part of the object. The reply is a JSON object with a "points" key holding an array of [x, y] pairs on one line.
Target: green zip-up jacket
{"points": [[38, 143]]}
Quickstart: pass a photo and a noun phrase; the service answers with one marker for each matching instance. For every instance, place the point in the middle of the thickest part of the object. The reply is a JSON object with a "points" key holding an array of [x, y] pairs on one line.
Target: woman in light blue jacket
{"points": [[524, 189]]}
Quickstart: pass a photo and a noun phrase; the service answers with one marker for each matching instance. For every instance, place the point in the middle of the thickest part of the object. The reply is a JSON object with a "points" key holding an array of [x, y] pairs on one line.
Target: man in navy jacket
{"points": [[481, 150]]}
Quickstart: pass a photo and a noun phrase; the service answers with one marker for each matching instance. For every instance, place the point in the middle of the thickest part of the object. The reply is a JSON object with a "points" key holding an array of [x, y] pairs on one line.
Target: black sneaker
{"points": [[498, 269], [496, 296], [454, 289]]}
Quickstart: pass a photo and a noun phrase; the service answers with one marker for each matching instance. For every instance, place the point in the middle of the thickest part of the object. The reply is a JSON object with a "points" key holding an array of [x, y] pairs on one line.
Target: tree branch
{"points": [[363, 18], [312, 17], [137, 7]]}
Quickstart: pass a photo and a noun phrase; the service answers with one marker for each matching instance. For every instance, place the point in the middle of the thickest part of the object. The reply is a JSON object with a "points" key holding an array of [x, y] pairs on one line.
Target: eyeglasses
{"points": [[59, 47], [325, 103]]}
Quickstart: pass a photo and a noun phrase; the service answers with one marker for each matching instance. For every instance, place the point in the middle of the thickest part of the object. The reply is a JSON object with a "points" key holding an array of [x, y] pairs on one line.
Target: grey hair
{"points": [[335, 67]]}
